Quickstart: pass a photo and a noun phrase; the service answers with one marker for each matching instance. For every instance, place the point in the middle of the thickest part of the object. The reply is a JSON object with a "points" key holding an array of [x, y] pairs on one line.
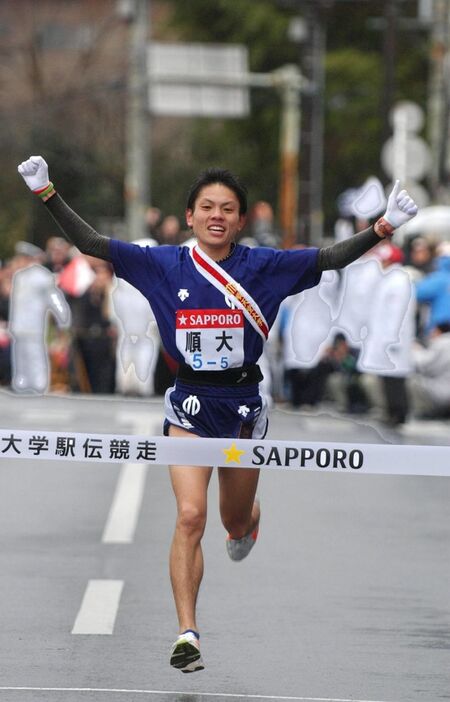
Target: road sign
{"points": [[168, 96]]}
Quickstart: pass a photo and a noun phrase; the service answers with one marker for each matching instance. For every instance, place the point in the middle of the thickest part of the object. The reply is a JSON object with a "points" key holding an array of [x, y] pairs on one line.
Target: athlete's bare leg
{"points": [[190, 485], [238, 510]]}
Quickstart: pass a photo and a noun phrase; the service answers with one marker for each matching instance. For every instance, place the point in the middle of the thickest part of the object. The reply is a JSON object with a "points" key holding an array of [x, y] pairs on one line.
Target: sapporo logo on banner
{"points": [[272, 455]]}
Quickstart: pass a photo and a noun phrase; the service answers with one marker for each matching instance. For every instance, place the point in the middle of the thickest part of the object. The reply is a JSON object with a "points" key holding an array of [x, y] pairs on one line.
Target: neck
{"points": [[220, 254]]}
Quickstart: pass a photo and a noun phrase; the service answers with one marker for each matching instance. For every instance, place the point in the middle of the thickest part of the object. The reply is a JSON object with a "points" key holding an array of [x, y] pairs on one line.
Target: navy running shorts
{"points": [[216, 412]]}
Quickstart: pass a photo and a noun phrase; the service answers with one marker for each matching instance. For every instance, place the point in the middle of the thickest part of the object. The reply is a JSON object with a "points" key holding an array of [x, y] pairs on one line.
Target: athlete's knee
{"points": [[191, 519]]}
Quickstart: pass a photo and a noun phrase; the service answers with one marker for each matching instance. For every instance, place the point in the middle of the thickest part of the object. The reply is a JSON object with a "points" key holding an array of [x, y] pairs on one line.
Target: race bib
{"points": [[211, 339]]}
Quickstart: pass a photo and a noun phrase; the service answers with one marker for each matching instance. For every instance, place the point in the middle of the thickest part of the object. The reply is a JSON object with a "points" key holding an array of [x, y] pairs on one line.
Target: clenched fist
{"points": [[34, 171]]}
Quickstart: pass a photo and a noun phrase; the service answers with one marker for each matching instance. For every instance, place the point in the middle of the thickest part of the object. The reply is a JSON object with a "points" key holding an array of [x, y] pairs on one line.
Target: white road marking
{"points": [[123, 514], [147, 425], [55, 415], [98, 610], [193, 694]]}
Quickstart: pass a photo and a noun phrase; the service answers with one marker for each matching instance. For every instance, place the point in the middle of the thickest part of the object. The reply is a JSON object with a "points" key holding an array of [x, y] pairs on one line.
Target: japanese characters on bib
{"points": [[210, 339]]}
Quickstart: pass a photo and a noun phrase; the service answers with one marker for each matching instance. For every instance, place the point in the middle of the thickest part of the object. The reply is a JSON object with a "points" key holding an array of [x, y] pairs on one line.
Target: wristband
{"points": [[383, 228], [45, 191]]}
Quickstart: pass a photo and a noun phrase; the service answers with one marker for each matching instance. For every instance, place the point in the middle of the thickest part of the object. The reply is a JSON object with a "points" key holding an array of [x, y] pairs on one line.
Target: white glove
{"points": [[34, 171], [400, 207]]}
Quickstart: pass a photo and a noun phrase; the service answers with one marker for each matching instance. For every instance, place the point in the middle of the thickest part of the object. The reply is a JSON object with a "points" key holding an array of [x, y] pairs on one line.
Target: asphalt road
{"points": [[345, 597]]}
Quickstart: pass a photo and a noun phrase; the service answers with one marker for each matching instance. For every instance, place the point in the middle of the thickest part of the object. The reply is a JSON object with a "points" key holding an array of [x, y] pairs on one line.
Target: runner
{"points": [[214, 305]]}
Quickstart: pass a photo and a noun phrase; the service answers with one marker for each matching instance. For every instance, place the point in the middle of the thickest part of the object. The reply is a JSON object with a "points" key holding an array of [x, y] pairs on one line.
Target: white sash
{"points": [[223, 281]]}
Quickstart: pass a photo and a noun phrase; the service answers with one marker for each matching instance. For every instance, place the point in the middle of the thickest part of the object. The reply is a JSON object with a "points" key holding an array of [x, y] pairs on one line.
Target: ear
{"points": [[188, 215], [242, 222]]}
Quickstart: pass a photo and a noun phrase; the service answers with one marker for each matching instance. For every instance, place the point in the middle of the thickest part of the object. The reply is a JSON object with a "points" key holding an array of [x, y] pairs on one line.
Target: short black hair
{"points": [[339, 338], [222, 176]]}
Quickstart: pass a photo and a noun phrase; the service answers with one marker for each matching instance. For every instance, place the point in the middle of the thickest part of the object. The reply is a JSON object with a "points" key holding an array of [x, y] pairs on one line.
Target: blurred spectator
{"points": [[338, 368], [420, 253], [430, 384], [434, 289], [169, 231], [57, 253], [58, 348], [152, 221], [76, 277], [262, 224], [5, 339], [94, 335], [26, 253]]}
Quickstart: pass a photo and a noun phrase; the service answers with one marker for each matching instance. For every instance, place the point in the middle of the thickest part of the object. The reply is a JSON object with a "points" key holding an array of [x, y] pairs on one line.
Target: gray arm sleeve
{"points": [[345, 252], [77, 230]]}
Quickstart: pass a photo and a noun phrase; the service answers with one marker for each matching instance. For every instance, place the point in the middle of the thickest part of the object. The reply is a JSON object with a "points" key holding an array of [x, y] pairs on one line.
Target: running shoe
{"points": [[185, 654], [238, 549]]}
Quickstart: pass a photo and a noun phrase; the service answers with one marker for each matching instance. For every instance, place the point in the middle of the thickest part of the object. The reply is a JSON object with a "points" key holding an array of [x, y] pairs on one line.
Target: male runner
{"points": [[214, 305]]}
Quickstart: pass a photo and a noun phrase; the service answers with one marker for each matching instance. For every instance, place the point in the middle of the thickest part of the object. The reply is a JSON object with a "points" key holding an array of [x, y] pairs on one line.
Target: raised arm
{"points": [[34, 171], [400, 208]]}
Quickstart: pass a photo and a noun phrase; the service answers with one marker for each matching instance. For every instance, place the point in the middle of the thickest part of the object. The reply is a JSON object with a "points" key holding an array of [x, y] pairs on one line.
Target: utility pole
{"points": [[289, 151], [317, 126], [438, 95], [312, 60], [137, 176]]}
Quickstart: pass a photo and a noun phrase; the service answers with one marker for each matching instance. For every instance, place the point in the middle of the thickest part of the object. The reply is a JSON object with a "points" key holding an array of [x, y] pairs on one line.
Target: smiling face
{"points": [[215, 219]]}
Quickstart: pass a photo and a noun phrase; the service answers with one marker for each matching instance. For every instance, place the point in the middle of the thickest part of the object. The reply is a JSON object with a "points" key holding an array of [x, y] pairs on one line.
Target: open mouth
{"points": [[215, 229]]}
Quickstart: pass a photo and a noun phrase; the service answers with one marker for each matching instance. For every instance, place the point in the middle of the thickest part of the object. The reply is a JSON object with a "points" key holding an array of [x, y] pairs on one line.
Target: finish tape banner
{"points": [[381, 459]]}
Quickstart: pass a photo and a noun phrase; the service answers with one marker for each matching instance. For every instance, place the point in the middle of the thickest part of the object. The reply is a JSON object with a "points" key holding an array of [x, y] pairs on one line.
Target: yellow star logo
{"points": [[233, 454]]}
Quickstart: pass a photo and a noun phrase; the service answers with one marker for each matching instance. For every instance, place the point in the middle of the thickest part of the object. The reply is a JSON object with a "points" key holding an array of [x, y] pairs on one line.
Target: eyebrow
{"points": [[228, 202]]}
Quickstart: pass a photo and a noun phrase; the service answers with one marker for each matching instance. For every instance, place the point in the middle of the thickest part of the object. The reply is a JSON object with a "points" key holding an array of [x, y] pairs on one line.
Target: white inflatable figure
{"points": [[370, 199], [34, 295], [310, 321], [360, 284], [361, 280], [138, 338], [330, 291], [377, 315], [269, 366], [387, 348]]}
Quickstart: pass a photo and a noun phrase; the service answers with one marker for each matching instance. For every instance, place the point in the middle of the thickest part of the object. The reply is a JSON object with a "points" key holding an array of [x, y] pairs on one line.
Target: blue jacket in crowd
{"points": [[434, 290]]}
